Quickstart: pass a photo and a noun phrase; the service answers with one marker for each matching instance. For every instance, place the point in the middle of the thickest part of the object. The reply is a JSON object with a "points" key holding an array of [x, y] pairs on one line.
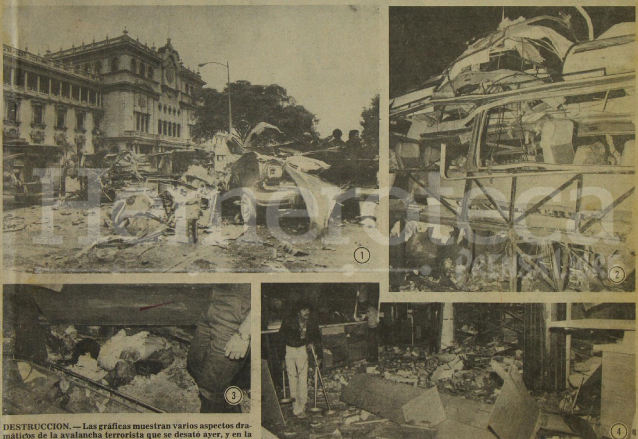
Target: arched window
{"points": [[159, 127], [179, 130], [98, 67], [159, 107], [164, 109], [170, 129], [150, 72], [164, 128], [133, 65], [115, 64], [174, 130]]}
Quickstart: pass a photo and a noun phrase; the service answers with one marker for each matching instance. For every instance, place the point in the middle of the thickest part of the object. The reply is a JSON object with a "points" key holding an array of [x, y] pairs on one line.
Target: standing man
{"points": [[372, 335], [354, 143], [336, 141], [298, 331], [220, 343]]}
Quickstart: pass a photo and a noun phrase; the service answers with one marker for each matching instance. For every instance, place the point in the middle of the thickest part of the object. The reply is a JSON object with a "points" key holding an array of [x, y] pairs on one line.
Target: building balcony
{"points": [[27, 92], [46, 62]]}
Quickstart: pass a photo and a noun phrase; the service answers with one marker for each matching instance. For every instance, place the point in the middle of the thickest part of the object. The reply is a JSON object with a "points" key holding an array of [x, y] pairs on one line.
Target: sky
{"points": [[424, 41], [327, 57]]}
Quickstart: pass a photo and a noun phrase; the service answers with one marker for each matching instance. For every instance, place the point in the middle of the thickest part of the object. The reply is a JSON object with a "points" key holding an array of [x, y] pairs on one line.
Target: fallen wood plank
{"points": [[516, 414], [398, 402]]}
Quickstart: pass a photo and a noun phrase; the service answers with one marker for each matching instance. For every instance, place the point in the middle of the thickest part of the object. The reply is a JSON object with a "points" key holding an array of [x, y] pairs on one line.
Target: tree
{"points": [[252, 104], [370, 124]]}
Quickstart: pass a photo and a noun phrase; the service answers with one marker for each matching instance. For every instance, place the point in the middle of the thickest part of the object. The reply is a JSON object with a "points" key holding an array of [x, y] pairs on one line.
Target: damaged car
{"points": [[539, 172], [278, 176]]}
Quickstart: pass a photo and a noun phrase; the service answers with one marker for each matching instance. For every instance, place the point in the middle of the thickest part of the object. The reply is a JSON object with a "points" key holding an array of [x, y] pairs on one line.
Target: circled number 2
{"points": [[233, 395], [617, 274], [362, 255]]}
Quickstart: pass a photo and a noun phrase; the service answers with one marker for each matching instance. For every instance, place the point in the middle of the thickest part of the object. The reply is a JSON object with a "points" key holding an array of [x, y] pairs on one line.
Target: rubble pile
{"points": [[470, 371], [170, 389]]}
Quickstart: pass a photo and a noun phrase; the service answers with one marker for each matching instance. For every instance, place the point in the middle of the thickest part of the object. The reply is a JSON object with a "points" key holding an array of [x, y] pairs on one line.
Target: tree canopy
{"points": [[251, 104], [370, 124]]}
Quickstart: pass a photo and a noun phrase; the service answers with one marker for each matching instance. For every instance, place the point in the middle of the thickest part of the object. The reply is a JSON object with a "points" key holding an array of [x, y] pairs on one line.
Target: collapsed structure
{"points": [[107, 357], [467, 370], [523, 147]]}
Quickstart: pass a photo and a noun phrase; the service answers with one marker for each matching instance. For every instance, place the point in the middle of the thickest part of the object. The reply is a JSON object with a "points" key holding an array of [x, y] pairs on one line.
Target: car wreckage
{"points": [[525, 147], [180, 192], [268, 178]]}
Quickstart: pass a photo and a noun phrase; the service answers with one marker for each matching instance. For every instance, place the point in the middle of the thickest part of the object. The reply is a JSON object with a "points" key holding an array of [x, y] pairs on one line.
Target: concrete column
{"points": [[447, 328]]}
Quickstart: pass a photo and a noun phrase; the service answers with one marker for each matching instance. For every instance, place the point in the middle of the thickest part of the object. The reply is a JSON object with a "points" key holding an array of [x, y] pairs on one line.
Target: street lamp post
{"points": [[230, 114]]}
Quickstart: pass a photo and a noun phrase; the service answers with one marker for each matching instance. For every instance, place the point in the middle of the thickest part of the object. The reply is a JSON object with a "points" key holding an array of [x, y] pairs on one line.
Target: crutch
{"points": [[285, 399], [323, 387], [316, 409]]}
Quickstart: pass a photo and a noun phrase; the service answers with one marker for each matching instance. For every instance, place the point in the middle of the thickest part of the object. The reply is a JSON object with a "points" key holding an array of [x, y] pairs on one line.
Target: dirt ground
{"points": [[236, 251]]}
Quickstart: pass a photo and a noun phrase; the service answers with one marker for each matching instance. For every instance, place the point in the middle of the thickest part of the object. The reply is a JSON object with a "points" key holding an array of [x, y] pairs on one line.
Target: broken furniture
{"points": [[618, 402], [618, 398]]}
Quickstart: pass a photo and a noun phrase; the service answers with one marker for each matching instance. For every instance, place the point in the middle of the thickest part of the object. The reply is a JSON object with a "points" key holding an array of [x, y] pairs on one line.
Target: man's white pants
{"points": [[297, 366]]}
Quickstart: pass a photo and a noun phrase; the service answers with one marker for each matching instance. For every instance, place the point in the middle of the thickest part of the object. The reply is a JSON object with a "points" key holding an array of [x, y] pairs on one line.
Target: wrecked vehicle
{"points": [[541, 172], [316, 181], [23, 177]]}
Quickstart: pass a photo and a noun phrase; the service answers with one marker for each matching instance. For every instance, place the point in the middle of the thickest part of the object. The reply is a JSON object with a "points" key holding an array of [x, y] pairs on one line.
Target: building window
{"points": [[84, 94], [92, 97], [115, 64], [179, 112], [44, 84], [179, 130], [142, 122], [149, 72], [11, 110], [170, 129], [87, 67], [55, 87], [159, 107], [60, 118], [80, 119], [159, 127], [98, 67], [19, 78], [164, 130], [6, 74], [164, 109], [38, 115], [133, 65], [75, 93], [66, 90], [142, 69], [32, 82], [97, 122]]}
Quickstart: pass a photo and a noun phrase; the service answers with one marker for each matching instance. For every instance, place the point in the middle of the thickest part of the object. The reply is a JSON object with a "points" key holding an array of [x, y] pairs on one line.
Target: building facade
{"points": [[117, 93]]}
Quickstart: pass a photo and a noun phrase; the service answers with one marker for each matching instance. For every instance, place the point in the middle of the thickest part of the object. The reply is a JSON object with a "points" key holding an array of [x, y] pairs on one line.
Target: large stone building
{"points": [[117, 93]]}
